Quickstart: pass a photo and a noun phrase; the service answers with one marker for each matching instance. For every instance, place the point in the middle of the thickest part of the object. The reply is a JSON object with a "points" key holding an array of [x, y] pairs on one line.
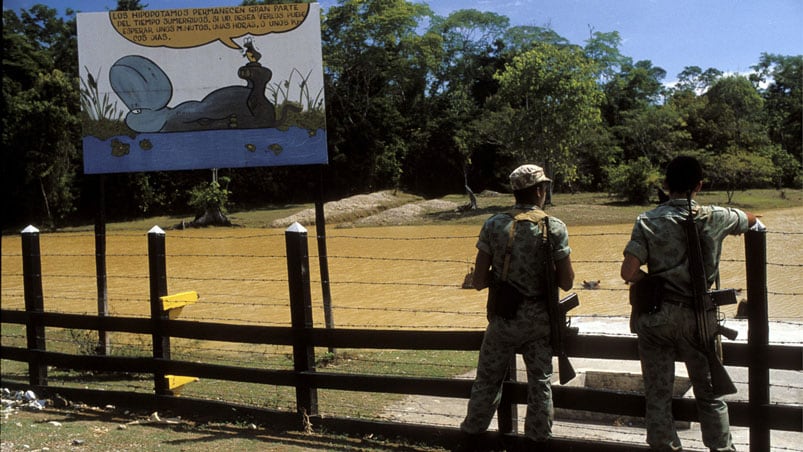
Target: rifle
{"points": [[705, 301], [558, 326]]}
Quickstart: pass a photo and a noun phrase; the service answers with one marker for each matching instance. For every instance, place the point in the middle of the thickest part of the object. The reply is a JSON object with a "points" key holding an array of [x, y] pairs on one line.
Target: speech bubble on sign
{"points": [[186, 28]]}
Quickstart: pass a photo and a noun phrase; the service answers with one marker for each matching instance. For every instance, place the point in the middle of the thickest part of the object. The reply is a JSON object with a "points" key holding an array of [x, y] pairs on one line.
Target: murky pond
{"points": [[400, 277]]}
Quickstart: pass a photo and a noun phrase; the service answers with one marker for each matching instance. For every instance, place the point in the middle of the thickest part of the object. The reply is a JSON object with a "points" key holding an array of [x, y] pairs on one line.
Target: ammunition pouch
{"points": [[503, 300], [646, 297]]}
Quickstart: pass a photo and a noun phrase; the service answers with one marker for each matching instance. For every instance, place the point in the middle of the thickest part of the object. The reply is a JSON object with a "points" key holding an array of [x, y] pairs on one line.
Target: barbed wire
{"points": [[229, 300], [400, 239], [344, 257], [409, 310], [179, 234]]}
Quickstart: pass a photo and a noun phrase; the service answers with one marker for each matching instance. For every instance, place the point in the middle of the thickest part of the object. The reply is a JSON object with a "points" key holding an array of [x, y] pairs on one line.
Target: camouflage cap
{"points": [[527, 176]]}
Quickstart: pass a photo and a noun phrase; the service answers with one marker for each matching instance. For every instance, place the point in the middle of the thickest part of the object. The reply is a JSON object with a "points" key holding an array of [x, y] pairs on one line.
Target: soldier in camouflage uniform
{"points": [[658, 240], [528, 332]]}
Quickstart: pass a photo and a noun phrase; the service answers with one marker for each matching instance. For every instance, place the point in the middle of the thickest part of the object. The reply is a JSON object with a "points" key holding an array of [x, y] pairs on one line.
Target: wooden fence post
{"points": [[301, 315], [323, 262], [755, 249], [32, 283], [100, 265], [157, 269]]}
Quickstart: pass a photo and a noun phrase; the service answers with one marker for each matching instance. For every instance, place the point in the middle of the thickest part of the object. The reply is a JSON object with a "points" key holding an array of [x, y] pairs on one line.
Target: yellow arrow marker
{"points": [[178, 300], [176, 382]]}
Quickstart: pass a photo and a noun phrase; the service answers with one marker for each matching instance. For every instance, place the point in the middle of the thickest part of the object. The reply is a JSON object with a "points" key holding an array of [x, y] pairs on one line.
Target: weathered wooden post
{"points": [[755, 250], [34, 303], [323, 262], [157, 269], [100, 265], [301, 315]]}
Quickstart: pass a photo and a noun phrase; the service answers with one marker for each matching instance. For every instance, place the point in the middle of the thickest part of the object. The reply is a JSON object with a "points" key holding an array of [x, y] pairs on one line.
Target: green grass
{"points": [[115, 429], [99, 427], [583, 209], [408, 363], [573, 208]]}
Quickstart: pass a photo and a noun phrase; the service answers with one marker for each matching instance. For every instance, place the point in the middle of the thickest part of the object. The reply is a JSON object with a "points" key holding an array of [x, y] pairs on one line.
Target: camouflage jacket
{"points": [[658, 240], [526, 271]]}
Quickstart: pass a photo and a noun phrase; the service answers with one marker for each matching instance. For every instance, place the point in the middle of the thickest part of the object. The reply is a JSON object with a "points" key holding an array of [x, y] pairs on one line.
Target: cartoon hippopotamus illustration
{"points": [[146, 90]]}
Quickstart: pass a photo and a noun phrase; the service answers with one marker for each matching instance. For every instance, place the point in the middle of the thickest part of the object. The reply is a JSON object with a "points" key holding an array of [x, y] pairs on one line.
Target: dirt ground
{"points": [[87, 428], [383, 208]]}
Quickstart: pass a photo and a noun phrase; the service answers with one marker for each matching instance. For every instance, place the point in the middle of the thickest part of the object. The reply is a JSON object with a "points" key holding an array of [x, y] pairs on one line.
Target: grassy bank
{"points": [[573, 208]]}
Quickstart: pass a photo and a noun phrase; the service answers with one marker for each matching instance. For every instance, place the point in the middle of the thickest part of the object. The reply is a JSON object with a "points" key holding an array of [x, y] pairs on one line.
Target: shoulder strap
{"points": [[531, 215], [534, 216]]}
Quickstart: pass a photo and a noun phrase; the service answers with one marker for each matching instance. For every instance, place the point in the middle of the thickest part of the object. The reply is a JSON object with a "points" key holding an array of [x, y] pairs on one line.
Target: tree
{"points": [[468, 37], [634, 181], [520, 38], [739, 170], [551, 98], [731, 117], [693, 79], [635, 86], [40, 116], [45, 133], [209, 202], [130, 5], [603, 49], [461, 81], [653, 131], [783, 106], [375, 73]]}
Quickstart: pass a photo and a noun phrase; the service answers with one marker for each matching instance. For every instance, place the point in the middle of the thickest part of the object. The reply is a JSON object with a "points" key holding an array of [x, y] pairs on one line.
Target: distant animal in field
{"points": [[591, 285]]}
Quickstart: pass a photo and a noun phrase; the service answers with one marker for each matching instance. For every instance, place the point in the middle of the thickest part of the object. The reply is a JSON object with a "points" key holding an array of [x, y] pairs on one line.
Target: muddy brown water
{"points": [[399, 277]]}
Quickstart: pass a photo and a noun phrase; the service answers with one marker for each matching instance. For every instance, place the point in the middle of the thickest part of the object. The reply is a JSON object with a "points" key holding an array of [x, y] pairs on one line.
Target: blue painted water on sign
{"points": [[238, 148]]}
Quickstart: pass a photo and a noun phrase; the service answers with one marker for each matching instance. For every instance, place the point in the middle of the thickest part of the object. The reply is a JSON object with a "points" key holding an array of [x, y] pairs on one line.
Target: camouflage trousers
{"points": [[663, 338], [528, 334]]}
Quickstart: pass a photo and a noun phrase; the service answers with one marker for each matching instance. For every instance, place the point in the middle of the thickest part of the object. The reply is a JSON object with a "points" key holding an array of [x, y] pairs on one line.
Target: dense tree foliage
{"points": [[549, 98], [427, 104], [41, 130]]}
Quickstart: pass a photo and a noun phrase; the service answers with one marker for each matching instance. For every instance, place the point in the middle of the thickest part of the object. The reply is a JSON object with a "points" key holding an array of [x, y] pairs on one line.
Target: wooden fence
{"points": [[758, 414]]}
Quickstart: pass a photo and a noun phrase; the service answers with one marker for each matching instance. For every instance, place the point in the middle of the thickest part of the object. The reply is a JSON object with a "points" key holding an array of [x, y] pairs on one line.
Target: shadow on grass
{"points": [[204, 432], [304, 441]]}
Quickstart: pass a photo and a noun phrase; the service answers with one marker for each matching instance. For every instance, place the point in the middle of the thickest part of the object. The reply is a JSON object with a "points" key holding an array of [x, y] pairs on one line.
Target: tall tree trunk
{"points": [[47, 204]]}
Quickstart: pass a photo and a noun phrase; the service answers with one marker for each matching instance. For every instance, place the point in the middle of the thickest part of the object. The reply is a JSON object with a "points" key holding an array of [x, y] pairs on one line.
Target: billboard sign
{"points": [[197, 88]]}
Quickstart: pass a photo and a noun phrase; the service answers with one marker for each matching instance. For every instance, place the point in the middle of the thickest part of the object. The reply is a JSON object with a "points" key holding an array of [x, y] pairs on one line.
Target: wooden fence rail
{"points": [[758, 355]]}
